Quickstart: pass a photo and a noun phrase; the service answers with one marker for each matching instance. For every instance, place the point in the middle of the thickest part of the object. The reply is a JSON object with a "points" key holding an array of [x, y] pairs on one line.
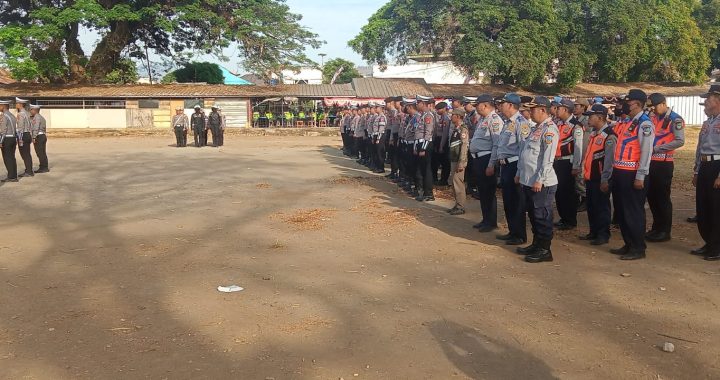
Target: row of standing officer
{"points": [[27, 127], [200, 124]]}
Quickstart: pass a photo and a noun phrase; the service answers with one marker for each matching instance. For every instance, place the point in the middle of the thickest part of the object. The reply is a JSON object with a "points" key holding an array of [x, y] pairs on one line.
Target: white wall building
{"points": [[306, 75], [440, 72]]}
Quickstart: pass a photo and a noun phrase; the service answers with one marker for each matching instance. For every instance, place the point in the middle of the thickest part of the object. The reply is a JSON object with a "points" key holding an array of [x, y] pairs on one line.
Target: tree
{"points": [[39, 38], [124, 72], [349, 71], [527, 42], [707, 14], [194, 72]]}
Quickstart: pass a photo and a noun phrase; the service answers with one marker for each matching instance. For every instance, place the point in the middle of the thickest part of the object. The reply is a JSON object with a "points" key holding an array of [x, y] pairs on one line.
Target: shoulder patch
{"points": [[525, 130], [464, 135], [549, 138], [679, 124], [647, 131], [428, 119]]}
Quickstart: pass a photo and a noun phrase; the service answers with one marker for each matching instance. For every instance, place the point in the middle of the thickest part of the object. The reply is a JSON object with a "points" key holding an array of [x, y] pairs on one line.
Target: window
{"points": [[148, 103], [191, 103]]}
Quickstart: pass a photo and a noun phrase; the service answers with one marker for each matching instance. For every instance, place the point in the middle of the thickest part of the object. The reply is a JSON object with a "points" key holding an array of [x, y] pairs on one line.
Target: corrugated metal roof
{"points": [[460, 90], [386, 87], [5, 77]]}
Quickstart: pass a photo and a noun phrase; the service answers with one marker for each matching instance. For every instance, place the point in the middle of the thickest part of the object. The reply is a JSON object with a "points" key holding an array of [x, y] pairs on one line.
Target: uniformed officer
{"points": [[458, 157], [197, 122], [180, 124], [707, 177], [669, 136], [357, 132], [214, 122], [597, 168], [568, 160], [440, 145], [38, 130], [515, 130], [223, 125], [471, 119], [482, 145], [379, 129], [344, 126], [8, 141], [363, 133], [24, 136], [537, 176], [581, 106], [394, 119], [407, 132], [636, 135], [423, 149]]}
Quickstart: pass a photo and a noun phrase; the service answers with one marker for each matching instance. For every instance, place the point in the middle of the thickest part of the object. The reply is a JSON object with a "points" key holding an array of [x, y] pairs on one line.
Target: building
{"points": [[305, 75], [433, 72], [152, 106]]}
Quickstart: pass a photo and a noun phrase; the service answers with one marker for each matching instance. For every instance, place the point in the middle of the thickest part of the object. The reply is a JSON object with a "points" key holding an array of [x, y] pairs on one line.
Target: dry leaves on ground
{"points": [[263, 186], [306, 219]]}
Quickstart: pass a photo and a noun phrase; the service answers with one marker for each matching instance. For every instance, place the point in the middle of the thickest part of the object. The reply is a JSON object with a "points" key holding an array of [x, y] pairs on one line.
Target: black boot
{"points": [[541, 254], [529, 249]]}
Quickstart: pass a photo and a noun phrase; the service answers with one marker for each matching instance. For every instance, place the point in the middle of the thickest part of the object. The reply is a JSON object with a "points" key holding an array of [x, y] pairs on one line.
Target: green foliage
{"points": [[39, 39], [124, 72], [169, 78], [526, 42], [346, 76], [199, 72]]}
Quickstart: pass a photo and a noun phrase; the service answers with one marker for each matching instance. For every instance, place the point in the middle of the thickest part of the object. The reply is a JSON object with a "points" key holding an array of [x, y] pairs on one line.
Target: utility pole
{"points": [[322, 59]]}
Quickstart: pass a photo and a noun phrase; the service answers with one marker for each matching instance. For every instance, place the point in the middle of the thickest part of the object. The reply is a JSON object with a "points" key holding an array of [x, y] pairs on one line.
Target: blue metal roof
{"points": [[232, 79]]}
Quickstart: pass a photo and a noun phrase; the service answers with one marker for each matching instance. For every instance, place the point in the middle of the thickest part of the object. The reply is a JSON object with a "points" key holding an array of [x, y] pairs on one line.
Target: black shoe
{"points": [[9, 180], [702, 251], [27, 174], [540, 255], [379, 171], [651, 233], [564, 226], [658, 237], [587, 237], [559, 223], [713, 257], [505, 237], [692, 219], [637, 255], [516, 241], [478, 225], [530, 249], [476, 196], [451, 209], [487, 228], [599, 241], [620, 251], [428, 198], [42, 171], [457, 211]]}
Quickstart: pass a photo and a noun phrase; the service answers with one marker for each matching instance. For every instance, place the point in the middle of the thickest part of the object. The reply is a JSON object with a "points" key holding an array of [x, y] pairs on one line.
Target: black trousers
{"points": [[630, 207], [179, 137], [540, 211], [423, 173], [708, 205], [410, 162], [393, 152], [41, 151], [566, 197], [215, 130], [197, 137], [221, 137], [470, 177], [204, 139], [344, 138], [513, 201], [441, 161], [8, 154], [380, 154], [658, 195], [598, 209], [487, 186], [25, 152]]}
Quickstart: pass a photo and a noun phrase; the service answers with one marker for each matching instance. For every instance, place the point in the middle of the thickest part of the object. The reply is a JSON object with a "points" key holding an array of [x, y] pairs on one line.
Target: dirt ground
{"points": [[109, 267]]}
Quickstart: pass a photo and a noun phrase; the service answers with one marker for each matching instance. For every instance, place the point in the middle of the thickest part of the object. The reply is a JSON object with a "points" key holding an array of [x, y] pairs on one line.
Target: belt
{"points": [[663, 156], [509, 160], [479, 154], [41, 133], [9, 135], [564, 158], [709, 157]]}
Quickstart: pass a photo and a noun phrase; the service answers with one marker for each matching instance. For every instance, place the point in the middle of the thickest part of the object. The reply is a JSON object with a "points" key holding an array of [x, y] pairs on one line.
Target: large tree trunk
{"points": [[75, 54], [107, 52]]}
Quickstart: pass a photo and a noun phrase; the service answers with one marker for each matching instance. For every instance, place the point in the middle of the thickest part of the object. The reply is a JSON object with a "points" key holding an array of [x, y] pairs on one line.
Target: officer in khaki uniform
{"points": [[8, 142], [458, 156], [24, 136], [537, 176], [423, 149], [707, 177], [38, 130], [197, 121]]}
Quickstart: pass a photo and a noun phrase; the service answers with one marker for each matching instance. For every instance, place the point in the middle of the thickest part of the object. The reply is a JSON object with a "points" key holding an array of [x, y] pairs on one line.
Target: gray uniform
{"points": [[7, 127], [425, 130], [609, 151], [516, 130], [708, 141], [677, 127], [470, 120], [13, 120], [485, 138], [23, 122], [38, 126], [646, 138], [356, 128], [538, 154]]}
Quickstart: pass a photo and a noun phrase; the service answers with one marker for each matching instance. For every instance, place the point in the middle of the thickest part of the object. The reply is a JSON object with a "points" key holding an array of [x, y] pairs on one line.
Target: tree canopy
{"points": [[196, 72], [349, 71], [39, 38], [527, 42]]}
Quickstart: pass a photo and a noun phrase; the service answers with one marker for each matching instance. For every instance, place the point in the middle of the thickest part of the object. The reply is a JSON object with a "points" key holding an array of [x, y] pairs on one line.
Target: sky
{"points": [[336, 23]]}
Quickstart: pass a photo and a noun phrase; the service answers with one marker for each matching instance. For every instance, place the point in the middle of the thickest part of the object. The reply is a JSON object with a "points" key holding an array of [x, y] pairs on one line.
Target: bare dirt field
{"points": [[109, 267]]}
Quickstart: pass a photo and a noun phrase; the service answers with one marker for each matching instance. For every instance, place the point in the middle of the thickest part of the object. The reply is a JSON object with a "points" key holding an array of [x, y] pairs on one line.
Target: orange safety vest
{"points": [[627, 151], [595, 155], [566, 143], [664, 133]]}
